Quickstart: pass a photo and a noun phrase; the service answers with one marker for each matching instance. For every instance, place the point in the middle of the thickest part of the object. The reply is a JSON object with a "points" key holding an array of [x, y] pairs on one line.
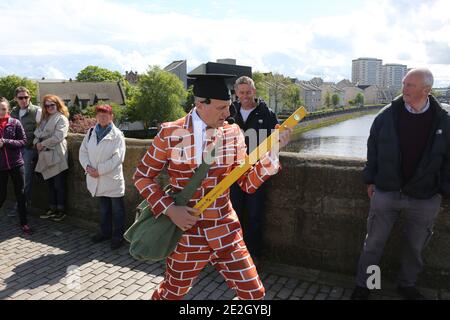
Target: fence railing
{"points": [[328, 113]]}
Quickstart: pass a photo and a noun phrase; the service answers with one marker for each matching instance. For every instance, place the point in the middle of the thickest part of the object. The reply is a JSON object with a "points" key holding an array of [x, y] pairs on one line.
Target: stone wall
{"points": [[316, 218], [316, 214]]}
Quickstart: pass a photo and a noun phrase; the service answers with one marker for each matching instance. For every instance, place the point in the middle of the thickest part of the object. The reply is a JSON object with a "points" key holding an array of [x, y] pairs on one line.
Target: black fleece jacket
{"points": [[384, 156]]}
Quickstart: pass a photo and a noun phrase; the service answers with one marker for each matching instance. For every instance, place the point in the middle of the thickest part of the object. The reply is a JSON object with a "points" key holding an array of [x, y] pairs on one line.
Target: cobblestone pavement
{"points": [[59, 262]]}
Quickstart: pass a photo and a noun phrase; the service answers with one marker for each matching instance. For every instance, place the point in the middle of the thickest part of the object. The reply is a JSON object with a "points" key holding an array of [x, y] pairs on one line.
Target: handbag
{"points": [[154, 239]]}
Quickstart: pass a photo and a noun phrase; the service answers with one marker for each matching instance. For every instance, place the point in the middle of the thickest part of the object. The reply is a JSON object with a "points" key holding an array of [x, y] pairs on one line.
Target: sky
{"points": [[302, 39]]}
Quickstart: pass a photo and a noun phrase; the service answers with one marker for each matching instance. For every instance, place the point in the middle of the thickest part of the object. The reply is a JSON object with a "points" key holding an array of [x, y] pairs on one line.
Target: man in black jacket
{"points": [[407, 170], [257, 121]]}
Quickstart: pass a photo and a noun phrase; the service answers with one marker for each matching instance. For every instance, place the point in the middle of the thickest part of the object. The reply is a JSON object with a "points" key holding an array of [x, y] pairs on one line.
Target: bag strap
{"points": [[184, 196], [90, 133]]}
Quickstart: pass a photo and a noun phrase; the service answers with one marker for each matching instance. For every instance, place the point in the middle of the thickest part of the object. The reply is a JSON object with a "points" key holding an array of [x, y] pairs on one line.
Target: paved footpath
{"points": [[59, 262]]}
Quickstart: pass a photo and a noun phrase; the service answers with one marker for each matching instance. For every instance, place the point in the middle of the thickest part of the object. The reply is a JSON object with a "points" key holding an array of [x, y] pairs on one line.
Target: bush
{"points": [[81, 124], [73, 111], [118, 111]]}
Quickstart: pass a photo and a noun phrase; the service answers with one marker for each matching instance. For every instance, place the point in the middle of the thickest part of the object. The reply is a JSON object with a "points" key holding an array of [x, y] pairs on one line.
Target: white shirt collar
{"points": [[197, 121], [424, 109], [199, 136]]}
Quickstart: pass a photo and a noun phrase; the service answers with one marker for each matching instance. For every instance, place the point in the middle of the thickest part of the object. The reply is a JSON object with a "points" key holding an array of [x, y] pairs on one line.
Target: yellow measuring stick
{"points": [[251, 159]]}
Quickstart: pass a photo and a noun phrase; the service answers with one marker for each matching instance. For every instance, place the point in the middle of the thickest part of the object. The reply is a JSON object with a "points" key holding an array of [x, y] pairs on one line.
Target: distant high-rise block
{"points": [[367, 72], [393, 75]]}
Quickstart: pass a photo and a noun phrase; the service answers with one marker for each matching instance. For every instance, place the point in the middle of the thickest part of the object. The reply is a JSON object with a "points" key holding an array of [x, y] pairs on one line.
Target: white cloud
{"points": [[53, 73], [121, 37]]}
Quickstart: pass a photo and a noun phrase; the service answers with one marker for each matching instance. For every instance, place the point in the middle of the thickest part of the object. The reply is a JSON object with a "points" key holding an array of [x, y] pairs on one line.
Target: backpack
{"points": [[90, 134]]}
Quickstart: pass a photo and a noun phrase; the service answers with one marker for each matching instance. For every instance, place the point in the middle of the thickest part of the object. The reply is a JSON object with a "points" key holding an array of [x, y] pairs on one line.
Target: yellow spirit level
{"points": [[251, 159]]}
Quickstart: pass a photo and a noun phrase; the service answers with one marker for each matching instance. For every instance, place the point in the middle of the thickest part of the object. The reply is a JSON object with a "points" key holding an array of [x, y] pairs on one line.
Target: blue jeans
{"points": [[112, 212], [30, 158], [252, 221], [57, 191]]}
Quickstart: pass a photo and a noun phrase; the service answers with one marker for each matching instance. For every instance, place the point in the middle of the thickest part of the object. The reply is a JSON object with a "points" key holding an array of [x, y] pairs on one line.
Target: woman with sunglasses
{"points": [[50, 142], [12, 140]]}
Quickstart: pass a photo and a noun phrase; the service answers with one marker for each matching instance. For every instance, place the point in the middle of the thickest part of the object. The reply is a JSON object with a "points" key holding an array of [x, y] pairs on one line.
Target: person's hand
{"points": [[1, 143], [183, 217], [92, 172], [283, 139], [284, 136], [370, 190], [39, 147]]}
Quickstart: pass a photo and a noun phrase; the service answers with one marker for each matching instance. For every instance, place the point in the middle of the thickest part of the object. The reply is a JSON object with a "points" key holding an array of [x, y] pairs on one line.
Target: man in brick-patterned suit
{"points": [[215, 236]]}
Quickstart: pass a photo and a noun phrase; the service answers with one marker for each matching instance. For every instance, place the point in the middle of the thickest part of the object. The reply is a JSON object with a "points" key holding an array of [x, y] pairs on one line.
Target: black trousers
{"points": [[18, 178], [250, 210]]}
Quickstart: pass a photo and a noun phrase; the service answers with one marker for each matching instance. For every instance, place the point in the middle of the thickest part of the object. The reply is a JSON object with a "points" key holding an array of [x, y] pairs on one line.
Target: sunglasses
{"points": [[23, 98], [50, 105]]}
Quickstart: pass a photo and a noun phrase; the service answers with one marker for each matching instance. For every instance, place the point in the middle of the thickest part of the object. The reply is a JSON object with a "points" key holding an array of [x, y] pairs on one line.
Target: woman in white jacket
{"points": [[101, 155]]}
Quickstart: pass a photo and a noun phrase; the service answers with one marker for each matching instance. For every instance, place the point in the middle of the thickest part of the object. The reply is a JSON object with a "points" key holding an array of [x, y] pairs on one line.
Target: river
{"points": [[344, 139]]}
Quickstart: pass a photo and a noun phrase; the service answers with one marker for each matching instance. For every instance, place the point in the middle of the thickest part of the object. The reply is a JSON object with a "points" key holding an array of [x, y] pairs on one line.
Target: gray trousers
{"points": [[385, 208]]}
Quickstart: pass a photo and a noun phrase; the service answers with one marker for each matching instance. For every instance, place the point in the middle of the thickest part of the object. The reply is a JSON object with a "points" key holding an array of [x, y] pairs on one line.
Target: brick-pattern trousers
{"points": [[219, 243]]}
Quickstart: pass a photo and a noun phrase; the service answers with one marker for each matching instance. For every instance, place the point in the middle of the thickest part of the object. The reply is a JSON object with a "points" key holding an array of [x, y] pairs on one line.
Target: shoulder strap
{"points": [[90, 133], [184, 196]]}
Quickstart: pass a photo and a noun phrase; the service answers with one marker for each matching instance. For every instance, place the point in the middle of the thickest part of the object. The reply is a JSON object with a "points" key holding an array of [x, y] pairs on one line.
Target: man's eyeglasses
{"points": [[50, 105], [23, 98]]}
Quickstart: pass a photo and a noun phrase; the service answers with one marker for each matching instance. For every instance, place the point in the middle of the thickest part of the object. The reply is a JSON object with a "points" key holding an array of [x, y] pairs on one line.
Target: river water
{"points": [[344, 139]]}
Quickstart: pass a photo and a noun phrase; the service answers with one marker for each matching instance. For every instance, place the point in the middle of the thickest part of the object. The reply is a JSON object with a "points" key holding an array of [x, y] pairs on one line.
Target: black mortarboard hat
{"points": [[211, 85]]}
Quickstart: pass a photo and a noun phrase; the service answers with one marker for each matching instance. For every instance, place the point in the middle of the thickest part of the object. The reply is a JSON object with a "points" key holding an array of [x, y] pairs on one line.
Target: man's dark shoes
{"points": [[99, 238], [410, 293], [360, 293]]}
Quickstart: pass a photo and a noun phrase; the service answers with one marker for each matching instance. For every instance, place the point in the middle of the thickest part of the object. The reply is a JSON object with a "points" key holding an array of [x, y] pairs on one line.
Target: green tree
{"points": [[190, 99], [359, 99], [159, 98], [97, 74], [335, 99], [292, 97], [130, 90], [9, 84], [261, 85], [276, 85], [118, 110], [328, 100]]}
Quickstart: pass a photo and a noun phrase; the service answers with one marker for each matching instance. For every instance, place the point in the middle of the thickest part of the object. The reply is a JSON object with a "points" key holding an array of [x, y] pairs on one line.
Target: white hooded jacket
{"points": [[107, 157]]}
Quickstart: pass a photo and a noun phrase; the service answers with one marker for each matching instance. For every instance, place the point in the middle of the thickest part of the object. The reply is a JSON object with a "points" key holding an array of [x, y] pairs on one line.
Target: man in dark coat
{"points": [[407, 170], [257, 121]]}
